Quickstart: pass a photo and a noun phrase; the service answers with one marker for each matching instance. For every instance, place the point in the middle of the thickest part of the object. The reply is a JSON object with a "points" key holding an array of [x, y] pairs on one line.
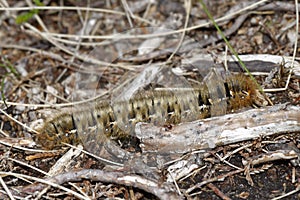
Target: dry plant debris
{"points": [[63, 53]]}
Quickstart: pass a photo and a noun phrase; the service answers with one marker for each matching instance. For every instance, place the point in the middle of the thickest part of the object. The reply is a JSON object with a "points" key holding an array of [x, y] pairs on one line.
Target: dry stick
{"points": [[4, 3], [235, 151], [217, 191], [74, 8], [20, 123], [216, 131], [287, 194], [128, 12], [163, 191], [147, 9], [2, 132], [29, 166], [188, 12], [4, 142], [175, 182], [106, 161], [279, 6], [218, 178], [6, 189], [42, 186], [226, 162]]}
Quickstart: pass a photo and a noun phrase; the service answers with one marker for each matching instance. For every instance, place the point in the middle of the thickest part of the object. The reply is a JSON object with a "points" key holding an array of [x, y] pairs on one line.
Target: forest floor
{"points": [[64, 52]]}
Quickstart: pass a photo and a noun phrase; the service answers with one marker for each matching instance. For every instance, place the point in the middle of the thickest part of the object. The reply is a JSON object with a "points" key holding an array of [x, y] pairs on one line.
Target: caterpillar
{"points": [[117, 120]]}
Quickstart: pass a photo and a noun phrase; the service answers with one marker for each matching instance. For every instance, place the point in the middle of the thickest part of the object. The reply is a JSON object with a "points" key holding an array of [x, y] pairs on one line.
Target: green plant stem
{"points": [[227, 43]]}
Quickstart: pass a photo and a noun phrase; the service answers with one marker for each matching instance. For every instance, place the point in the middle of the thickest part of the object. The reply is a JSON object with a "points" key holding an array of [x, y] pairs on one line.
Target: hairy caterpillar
{"points": [[159, 107]]}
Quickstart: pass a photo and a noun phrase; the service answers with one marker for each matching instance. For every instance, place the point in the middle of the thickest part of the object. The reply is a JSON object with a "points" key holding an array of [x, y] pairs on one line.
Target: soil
{"points": [[47, 64]]}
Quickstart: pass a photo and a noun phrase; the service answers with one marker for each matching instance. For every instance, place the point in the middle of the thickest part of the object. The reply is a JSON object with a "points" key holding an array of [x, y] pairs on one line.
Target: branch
{"points": [[163, 191], [217, 131]]}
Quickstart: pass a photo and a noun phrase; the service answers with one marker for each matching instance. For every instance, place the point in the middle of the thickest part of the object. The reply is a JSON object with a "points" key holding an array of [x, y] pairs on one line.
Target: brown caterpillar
{"points": [[158, 107]]}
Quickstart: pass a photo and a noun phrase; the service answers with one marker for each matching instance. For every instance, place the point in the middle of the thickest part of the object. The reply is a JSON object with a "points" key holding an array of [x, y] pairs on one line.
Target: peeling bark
{"points": [[212, 132]]}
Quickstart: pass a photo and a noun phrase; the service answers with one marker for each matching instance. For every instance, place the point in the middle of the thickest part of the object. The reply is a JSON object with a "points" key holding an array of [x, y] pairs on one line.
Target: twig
{"points": [[288, 194], [162, 191], [18, 122], [218, 178], [29, 166], [6, 189], [188, 11], [97, 157], [218, 192], [2, 141], [128, 12], [42, 186], [212, 132]]}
